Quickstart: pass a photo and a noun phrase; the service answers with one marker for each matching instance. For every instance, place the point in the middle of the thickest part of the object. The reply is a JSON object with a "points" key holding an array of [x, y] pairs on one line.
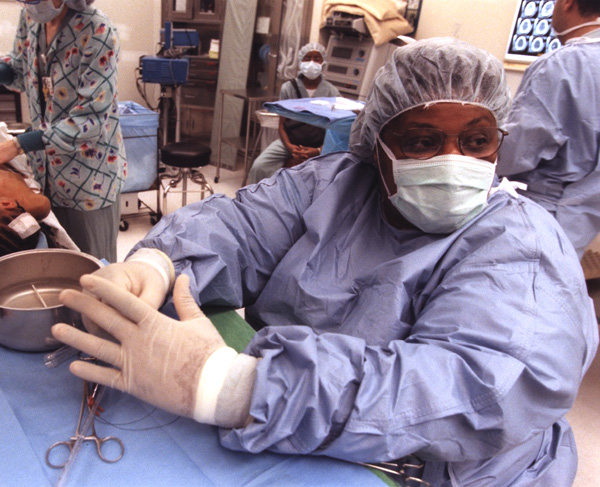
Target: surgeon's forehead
{"points": [[428, 113], [313, 56]]}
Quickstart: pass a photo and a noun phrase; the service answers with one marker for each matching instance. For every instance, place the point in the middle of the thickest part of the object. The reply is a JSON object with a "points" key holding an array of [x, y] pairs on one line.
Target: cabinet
{"points": [[195, 10], [277, 25], [196, 122], [199, 94], [10, 106], [198, 97]]}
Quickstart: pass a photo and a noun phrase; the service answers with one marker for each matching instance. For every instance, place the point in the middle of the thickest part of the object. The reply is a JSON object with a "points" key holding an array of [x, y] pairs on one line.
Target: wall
{"points": [[139, 31], [484, 23], [138, 28]]}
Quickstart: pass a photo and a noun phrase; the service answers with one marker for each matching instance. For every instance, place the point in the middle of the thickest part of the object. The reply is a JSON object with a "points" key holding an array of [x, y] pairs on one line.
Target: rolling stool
{"points": [[186, 156]]}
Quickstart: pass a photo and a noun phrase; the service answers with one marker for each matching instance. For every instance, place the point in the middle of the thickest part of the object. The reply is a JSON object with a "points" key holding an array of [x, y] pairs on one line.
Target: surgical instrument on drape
{"points": [[90, 402]]}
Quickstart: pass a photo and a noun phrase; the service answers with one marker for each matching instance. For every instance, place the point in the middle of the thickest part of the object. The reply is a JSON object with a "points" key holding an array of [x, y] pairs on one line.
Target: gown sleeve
{"points": [[501, 338], [229, 247], [553, 119]]}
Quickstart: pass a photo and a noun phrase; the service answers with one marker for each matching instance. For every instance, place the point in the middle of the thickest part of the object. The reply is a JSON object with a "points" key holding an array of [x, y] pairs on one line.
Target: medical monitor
{"points": [[531, 35]]}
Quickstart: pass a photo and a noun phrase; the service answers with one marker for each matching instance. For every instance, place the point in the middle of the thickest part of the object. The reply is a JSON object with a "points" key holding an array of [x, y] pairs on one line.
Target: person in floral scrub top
{"points": [[65, 59]]}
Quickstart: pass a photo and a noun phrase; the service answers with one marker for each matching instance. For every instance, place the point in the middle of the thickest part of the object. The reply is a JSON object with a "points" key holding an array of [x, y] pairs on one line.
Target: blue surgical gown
{"points": [[465, 349], [554, 137]]}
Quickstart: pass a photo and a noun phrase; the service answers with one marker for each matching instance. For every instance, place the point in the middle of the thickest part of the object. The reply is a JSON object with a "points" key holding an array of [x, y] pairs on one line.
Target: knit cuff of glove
{"points": [[225, 389], [160, 261]]}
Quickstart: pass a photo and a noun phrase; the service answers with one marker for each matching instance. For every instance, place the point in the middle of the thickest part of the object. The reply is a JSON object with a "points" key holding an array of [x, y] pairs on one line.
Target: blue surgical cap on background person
{"points": [[311, 46], [78, 4], [429, 71]]}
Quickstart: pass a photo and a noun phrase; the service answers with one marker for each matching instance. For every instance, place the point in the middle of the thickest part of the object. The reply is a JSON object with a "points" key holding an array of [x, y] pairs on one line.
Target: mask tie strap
{"points": [[391, 156], [510, 187]]}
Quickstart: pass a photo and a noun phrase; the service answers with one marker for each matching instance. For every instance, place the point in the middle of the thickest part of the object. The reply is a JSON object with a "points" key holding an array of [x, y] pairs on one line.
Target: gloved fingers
{"points": [[97, 374], [99, 348], [185, 304], [107, 318], [153, 293], [146, 282], [118, 299], [118, 275], [91, 326], [138, 278]]}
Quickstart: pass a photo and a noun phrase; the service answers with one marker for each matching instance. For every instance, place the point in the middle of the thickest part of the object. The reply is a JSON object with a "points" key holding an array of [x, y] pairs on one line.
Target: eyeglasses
{"points": [[425, 143], [30, 2]]}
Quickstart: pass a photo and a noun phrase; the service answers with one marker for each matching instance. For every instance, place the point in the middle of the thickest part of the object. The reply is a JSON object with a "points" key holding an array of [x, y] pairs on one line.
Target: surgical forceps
{"points": [[406, 469], [89, 402]]}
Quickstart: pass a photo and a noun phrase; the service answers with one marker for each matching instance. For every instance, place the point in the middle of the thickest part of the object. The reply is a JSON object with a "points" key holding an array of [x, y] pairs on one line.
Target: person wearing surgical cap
{"points": [[410, 307], [297, 141], [554, 148], [65, 59]]}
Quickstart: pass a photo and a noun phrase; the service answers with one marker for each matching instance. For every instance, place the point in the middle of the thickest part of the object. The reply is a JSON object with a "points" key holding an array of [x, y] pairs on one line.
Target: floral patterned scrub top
{"points": [[71, 89]]}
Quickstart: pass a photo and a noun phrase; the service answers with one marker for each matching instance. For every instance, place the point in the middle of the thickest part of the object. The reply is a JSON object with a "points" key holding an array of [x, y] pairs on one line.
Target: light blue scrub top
{"points": [[83, 165], [554, 137], [465, 349]]}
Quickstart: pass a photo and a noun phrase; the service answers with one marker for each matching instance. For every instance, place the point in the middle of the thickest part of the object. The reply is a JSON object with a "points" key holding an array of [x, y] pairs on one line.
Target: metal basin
{"points": [[30, 283]]}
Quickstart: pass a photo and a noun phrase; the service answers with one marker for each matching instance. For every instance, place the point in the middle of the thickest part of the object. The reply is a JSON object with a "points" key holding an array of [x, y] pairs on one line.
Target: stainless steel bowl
{"points": [[30, 283]]}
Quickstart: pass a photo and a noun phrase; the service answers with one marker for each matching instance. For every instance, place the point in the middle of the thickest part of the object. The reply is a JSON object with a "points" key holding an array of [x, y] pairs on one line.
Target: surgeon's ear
{"points": [[568, 4]]}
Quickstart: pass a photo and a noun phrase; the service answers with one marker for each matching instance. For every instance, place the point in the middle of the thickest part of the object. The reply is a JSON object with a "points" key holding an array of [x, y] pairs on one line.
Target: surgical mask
{"points": [[43, 12], [311, 69], [575, 27], [441, 194]]}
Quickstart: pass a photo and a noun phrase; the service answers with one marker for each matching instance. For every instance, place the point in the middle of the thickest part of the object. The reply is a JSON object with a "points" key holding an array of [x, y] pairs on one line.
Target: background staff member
{"points": [[554, 125], [297, 141], [65, 59]]}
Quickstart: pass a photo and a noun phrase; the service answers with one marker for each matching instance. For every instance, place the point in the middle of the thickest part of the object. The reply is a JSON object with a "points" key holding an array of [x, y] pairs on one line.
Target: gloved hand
{"points": [[139, 278], [157, 359]]}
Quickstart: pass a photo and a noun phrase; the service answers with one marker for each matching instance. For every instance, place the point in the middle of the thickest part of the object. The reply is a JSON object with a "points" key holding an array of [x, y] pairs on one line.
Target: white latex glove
{"points": [[157, 359], [139, 277]]}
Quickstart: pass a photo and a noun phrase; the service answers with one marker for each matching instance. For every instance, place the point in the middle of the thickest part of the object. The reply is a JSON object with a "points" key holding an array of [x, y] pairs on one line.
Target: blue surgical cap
{"points": [[311, 46], [425, 72]]}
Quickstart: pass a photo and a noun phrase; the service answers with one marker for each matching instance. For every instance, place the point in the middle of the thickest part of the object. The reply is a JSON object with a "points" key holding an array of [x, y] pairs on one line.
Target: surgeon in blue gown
{"points": [[554, 124], [407, 302]]}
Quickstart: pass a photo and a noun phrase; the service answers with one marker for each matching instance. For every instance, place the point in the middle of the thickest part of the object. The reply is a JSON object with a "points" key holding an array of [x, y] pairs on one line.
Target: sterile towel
{"points": [[382, 17]]}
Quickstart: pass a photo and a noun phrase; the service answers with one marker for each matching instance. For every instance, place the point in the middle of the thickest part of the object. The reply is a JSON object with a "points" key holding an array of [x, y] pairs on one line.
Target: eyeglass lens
{"points": [[424, 143]]}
